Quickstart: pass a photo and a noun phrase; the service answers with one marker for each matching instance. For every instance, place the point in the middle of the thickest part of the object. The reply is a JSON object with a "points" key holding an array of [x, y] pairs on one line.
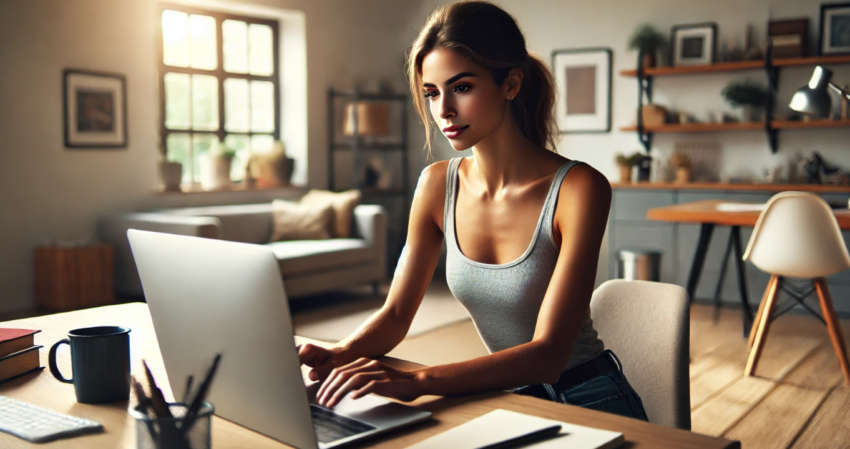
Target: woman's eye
{"points": [[462, 88], [431, 94]]}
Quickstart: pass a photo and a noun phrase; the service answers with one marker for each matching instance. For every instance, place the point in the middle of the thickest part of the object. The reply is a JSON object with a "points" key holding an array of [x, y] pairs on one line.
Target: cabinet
{"points": [[645, 77]]}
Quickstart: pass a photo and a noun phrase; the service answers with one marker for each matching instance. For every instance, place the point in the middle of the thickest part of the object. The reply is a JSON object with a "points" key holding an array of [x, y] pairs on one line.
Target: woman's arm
{"points": [[582, 214], [384, 330]]}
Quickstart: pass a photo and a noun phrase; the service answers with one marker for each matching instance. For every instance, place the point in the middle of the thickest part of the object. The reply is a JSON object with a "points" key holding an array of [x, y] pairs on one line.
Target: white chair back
{"points": [[647, 326], [797, 235]]}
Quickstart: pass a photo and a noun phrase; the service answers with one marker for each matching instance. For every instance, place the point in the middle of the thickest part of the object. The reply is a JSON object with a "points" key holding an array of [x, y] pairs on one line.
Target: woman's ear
{"points": [[513, 83]]}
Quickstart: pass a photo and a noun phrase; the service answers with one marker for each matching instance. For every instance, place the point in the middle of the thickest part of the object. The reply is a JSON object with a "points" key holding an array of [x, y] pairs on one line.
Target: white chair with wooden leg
{"points": [[797, 236]]}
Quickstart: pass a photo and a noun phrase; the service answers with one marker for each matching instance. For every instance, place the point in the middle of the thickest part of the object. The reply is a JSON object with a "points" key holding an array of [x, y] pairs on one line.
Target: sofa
{"points": [[307, 266]]}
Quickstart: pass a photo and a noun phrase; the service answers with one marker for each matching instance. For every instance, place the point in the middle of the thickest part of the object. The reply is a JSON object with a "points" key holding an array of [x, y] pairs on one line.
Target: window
{"points": [[219, 86]]}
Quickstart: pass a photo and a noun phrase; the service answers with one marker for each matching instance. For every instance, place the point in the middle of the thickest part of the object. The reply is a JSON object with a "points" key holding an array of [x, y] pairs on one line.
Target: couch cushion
{"points": [[302, 256], [246, 223]]}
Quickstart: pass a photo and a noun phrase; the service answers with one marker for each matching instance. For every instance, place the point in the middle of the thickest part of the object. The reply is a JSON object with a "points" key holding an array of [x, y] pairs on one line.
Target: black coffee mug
{"points": [[100, 358]]}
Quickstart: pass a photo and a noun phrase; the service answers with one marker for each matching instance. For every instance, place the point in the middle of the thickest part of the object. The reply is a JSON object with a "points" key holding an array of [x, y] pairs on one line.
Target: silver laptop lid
{"points": [[210, 296]]}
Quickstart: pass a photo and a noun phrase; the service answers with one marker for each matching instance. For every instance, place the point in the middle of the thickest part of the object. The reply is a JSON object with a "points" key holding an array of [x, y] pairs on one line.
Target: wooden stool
{"points": [[73, 277]]}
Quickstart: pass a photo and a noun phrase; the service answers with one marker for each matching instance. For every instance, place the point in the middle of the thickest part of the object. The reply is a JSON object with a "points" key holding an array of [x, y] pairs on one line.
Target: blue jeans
{"points": [[609, 393]]}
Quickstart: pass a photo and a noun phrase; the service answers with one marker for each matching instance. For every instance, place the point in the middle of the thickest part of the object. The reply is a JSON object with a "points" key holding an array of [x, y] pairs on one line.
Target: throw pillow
{"points": [[293, 221], [343, 204]]}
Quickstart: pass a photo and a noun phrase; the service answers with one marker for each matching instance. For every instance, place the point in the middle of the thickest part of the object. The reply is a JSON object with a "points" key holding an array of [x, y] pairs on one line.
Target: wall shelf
{"points": [[749, 126], [771, 66]]}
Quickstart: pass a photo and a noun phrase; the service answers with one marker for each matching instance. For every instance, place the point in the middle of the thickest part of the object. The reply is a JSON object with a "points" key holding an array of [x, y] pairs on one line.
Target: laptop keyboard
{"points": [[331, 427]]}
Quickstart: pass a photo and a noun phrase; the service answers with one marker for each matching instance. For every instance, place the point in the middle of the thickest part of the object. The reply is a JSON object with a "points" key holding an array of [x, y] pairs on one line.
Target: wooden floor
{"points": [[796, 401]]}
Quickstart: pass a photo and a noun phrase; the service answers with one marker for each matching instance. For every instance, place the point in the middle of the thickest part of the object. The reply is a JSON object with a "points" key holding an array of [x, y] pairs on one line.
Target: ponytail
{"points": [[490, 37]]}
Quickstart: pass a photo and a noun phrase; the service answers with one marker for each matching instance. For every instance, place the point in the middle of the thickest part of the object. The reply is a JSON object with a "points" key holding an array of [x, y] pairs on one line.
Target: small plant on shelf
{"points": [[648, 41], [748, 95], [625, 163]]}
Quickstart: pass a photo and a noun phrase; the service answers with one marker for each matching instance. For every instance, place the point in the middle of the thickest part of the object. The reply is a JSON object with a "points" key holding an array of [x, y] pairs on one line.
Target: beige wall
{"points": [[52, 193]]}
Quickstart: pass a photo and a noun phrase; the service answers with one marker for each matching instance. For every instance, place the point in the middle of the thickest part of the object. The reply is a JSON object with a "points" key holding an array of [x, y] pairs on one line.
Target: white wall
{"points": [[52, 193], [562, 24]]}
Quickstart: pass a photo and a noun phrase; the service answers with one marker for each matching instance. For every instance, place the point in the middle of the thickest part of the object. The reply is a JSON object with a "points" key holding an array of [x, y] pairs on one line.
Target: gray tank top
{"points": [[504, 299]]}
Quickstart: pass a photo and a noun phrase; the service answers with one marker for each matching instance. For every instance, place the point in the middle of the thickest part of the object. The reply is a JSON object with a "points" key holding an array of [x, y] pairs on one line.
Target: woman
{"points": [[523, 226]]}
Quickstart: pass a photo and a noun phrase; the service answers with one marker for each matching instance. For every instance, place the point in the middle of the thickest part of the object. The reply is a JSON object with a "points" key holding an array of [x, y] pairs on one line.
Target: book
{"points": [[14, 340], [19, 363], [500, 426]]}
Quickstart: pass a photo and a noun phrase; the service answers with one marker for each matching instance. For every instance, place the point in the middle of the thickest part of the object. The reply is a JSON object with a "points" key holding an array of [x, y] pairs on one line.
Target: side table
{"points": [[71, 277]]}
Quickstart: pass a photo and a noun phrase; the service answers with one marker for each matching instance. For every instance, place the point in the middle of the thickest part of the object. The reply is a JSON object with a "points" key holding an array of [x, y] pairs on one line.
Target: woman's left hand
{"points": [[365, 376]]}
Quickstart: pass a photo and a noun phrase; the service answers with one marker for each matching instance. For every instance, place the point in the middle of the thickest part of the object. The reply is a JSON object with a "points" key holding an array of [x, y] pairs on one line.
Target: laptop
{"points": [[211, 296]]}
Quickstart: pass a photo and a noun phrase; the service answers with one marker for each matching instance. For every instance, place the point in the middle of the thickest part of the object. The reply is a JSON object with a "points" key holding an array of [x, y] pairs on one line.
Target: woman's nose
{"points": [[447, 109]]}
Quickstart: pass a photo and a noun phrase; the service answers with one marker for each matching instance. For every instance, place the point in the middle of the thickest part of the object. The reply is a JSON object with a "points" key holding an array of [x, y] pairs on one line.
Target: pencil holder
{"points": [[179, 432]]}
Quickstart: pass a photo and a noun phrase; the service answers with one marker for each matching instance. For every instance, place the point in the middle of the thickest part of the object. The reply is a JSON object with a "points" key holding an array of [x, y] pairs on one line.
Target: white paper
{"points": [[501, 425]]}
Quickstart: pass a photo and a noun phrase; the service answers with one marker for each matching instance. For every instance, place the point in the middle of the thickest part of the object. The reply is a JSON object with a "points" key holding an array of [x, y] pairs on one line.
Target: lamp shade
{"points": [[813, 99], [373, 119]]}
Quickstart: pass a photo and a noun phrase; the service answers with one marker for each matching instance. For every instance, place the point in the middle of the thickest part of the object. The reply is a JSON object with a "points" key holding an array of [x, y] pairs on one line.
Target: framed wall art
{"points": [[95, 109], [834, 29], [583, 80], [693, 44]]}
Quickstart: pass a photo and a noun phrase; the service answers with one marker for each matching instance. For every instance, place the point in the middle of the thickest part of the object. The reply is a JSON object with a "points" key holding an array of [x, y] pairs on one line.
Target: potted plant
{"points": [[648, 41], [272, 169], [217, 166], [748, 95], [625, 164], [170, 172]]}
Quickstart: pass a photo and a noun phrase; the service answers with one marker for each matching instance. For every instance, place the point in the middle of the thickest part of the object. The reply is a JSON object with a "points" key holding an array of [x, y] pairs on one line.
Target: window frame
{"points": [[219, 73]]}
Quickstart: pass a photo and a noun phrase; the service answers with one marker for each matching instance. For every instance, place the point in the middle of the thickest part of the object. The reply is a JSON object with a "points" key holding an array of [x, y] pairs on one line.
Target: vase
{"points": [[215, 172], [171, 174], [750, 113], [625, 173], [649, 60]]}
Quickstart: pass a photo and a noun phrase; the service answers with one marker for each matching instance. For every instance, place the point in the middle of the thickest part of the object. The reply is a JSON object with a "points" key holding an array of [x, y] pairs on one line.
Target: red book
{"points": [[14, 340]]}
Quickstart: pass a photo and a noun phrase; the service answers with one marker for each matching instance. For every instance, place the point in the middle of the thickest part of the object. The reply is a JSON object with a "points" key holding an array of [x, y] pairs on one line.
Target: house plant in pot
{"points": [[648, 41], [625, 164], [170, 172], [216, 167], [748, 95]]}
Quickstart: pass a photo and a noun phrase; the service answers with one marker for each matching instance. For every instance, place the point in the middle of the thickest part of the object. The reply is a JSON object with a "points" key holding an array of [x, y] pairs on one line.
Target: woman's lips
{"points": [[455, 133]]}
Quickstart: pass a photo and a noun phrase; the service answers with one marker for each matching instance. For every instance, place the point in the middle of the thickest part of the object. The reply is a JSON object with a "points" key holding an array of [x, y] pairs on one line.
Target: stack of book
{"points": [[18, 353]]}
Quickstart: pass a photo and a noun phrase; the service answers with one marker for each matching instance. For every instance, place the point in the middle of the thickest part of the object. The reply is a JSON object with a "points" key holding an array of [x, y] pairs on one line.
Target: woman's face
{"points": [[465, 102]]}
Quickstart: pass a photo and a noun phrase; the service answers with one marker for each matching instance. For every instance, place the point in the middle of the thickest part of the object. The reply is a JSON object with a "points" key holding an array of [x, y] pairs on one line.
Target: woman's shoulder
{"points": [[584, 187]]}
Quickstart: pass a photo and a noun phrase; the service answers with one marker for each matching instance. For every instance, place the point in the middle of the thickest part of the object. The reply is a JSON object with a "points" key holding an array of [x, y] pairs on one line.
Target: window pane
{"points": [[235, 37], [201, 145], [262, 106], [236, 113], [241, 144], [178, 151], [204, 102], [202, 32], [177, 101], [175, 38], [261, 144], [262, 62]]}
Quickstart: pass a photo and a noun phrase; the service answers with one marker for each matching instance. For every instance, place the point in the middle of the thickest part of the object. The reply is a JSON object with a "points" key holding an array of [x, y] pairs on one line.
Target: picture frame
{"points": [[694, 44], [583, 80], [94, 109], [834, 33]]}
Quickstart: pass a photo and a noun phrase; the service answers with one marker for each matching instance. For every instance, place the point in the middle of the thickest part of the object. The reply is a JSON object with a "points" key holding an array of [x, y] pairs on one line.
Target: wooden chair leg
{"points": [[757, 318], [761, 330], [833, 326]]}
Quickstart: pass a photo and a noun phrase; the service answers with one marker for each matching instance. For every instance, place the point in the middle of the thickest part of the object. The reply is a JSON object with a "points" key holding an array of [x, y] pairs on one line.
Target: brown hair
{"points": [[490, 37]]}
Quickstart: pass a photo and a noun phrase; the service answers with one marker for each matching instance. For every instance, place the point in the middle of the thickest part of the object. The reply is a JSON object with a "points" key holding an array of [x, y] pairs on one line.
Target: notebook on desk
{"points": [[502, 425]]}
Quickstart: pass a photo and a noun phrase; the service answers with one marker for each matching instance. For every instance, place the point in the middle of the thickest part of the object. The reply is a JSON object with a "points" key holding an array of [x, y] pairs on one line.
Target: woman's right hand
{"points": [[320, 359]]}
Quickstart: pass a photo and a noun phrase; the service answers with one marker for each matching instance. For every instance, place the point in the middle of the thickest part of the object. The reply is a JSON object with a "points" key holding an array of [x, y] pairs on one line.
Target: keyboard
{"points": [[331, 427], [38, 425]]}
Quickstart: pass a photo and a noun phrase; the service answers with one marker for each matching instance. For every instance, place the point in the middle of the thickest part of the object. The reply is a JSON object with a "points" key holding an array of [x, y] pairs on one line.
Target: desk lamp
{"points": [[813, 99]]}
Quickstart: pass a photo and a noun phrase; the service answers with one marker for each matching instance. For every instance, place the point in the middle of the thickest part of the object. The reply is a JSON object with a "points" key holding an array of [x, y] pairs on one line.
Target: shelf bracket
{"points": [[773, 86], [644, 88]]}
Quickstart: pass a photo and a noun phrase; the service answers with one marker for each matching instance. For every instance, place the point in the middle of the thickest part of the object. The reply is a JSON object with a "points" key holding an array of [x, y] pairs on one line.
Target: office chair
{"points": [[647, 325], [797, 236]]}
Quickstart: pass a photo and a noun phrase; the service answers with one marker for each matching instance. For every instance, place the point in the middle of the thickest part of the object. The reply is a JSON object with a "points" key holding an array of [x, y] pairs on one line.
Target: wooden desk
{"points": [[706, 213], [43, 390]]}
